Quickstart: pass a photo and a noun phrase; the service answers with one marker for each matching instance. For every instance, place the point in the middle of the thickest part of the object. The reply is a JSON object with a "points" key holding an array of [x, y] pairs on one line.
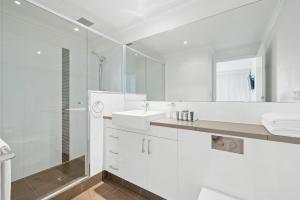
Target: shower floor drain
{"points": [[60, 178]]}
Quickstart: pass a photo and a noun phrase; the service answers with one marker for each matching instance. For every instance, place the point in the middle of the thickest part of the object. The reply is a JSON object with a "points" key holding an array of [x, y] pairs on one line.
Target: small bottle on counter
{"points": [[185, 115], [172, 110], [178, 115], [192, 116]]}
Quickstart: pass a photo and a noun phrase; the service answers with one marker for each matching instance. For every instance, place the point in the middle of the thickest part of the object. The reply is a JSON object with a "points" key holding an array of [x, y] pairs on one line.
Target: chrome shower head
{"points": [[101, 58]]}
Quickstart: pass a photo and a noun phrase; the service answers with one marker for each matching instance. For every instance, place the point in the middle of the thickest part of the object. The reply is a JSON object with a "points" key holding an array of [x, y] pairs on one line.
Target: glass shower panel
{"points": [[1, 70], [135, 73], [105, 64], [44, 93], [155, 78]]}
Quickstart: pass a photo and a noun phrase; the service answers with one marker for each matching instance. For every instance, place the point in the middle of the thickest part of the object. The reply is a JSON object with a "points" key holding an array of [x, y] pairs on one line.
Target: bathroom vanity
{"points": [[176, 159], [147, 158]]}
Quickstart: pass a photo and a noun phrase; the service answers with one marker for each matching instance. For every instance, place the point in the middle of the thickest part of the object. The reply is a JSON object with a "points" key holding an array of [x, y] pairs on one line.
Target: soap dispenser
{"points": [[172, 113]]}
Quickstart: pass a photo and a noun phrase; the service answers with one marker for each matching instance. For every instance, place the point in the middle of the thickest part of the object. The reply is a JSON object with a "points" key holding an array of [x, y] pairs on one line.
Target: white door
{"points": [[162, 168], [133, 158]]}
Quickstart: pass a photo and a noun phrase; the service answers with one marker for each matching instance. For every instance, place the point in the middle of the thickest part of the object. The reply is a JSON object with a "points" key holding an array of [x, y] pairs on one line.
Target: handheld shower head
{"points": [[101, 58], [100, 65]]}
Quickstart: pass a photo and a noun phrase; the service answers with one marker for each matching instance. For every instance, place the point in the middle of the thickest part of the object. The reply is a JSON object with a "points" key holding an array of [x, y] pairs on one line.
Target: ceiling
{"points": [[130, 20], [235, 28]]}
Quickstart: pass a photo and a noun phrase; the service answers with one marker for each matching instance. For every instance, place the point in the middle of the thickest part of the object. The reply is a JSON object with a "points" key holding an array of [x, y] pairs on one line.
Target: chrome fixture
{"points": [[6, 154], [101, 60], [146, 106]]}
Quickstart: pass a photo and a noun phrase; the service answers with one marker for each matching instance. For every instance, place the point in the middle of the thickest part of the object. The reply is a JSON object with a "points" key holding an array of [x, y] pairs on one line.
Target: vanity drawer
{"points": [[108, 123], [112, 164], [112, 144], [112, 139], [163, 132], [112, 150], [112, 133]]}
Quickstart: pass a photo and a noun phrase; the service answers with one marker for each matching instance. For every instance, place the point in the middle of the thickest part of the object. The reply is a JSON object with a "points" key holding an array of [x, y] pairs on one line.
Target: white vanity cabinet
{"points": [[148, 159], [163, 167], [133, 158], [266, 171]]}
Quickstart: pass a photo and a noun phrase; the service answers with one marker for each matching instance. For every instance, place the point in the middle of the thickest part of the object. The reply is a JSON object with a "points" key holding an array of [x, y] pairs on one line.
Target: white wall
{"points": [[189, 75], [110, 102], [282, 57], [135, 72], [222, 111], [155, 81]]}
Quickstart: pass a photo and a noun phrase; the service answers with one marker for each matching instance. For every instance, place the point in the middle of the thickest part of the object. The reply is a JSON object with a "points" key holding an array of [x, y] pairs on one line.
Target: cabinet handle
{"points": [[143, 145], [149, 152], [114, 168], [111, 151], [112, 136]]}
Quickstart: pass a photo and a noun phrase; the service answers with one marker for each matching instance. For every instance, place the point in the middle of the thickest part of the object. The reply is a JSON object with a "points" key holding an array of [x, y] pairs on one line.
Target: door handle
{"points": [[143, 145], [149, 151]]}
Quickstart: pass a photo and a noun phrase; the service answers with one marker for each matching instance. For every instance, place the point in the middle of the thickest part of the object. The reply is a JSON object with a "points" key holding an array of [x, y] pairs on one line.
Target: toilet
{"points": [[208, 194]]}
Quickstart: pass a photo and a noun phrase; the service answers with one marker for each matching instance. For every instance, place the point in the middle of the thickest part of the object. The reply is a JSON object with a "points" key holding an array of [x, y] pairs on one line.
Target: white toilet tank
{"points": [[207, 194]]}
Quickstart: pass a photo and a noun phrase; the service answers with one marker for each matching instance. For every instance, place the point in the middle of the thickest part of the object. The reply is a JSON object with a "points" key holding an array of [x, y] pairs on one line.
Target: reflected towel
{"points": [[282, 131], [282, 120], [5, 175]]}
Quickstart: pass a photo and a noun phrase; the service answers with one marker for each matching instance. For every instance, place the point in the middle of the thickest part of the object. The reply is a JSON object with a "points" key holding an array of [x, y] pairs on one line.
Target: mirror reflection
{"points": [[145, 76], [248, 54]]}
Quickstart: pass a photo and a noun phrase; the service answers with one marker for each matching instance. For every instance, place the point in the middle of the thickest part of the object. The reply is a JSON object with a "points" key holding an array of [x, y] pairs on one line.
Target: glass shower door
{"points": [[44, 97]]}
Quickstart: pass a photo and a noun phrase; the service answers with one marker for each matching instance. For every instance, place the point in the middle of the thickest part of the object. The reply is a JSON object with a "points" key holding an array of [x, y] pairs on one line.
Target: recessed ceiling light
{"points": [[17, 2], [185, 42], [39, 52], [76, 29]]}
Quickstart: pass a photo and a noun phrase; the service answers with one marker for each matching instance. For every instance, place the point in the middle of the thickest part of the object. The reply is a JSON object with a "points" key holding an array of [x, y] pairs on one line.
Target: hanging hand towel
{"points": [[5, 174], [288, 120], [282, 131]]}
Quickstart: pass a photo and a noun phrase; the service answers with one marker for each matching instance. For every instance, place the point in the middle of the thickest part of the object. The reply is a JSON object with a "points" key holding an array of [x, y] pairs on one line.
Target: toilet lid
{"points": [[207, 194]]}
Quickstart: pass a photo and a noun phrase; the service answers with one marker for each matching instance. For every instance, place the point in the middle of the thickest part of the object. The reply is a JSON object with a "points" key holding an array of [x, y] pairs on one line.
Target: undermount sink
{"points": [[136, 119]]}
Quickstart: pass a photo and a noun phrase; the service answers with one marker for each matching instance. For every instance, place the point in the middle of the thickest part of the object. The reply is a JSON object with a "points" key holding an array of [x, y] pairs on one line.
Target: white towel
{"points": [[208, 194], [5, 175], [282, 120], [282, 131]]}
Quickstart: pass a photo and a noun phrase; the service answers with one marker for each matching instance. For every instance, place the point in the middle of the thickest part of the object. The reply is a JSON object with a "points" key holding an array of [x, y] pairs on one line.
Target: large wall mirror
{"points": [[248, 54]]}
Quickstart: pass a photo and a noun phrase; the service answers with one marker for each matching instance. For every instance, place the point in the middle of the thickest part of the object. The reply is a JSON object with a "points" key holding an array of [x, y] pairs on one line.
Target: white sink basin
{"points": [[136, 119]]}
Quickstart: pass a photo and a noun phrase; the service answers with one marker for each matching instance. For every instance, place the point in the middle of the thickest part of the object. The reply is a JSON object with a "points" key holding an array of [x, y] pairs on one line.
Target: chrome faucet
{"points": [[146, 106]]}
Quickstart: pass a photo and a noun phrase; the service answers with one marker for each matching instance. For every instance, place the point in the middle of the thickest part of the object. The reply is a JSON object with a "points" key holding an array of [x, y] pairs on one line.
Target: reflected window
{"points": [[239, 80]]}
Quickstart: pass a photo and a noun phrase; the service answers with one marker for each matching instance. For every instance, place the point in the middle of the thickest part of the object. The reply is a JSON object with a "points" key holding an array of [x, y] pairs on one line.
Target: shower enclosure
{"points": [[145, 76], [47, 66], [105, 64]]}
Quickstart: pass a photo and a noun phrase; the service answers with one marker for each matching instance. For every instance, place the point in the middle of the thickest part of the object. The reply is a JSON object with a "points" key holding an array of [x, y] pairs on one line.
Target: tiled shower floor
{"points": [[40, 184]]}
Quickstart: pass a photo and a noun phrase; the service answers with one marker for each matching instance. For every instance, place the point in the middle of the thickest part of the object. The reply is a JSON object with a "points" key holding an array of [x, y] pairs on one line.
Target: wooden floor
{"points": [[109, 190]]}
